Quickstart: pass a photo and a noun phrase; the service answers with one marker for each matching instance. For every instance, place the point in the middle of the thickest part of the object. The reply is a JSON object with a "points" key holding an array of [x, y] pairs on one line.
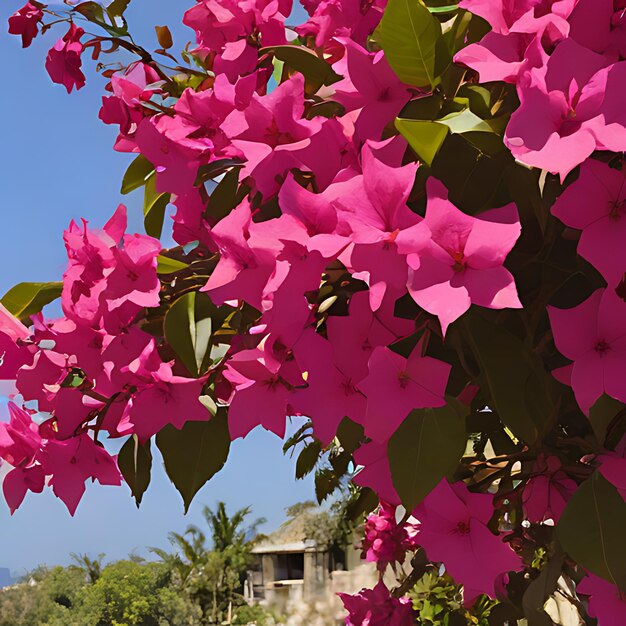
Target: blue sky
{"points": [[56, 164]]}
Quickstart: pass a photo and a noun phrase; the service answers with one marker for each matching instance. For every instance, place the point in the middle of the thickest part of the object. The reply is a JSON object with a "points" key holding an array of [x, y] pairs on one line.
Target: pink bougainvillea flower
{"points": [[19, 481], [593, 336], [371, 87], [505, 16], [374, 471], [64, 62], [596, 204], [569, 108], [343, 18], [72, 462], [376, 607], [261, 393], [329, 394], [606, 602], [548, 490], [355, 336], [453, 529], [12, 355], [25, 22], [19, 439], [164, 399], [463, 264], [395, 386], [384, 540]]}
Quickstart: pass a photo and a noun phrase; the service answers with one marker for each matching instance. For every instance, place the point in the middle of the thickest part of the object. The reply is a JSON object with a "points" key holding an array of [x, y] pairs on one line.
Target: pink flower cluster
{"points": [[376, 607], [384, 540], [566, 58], [93, 370]]}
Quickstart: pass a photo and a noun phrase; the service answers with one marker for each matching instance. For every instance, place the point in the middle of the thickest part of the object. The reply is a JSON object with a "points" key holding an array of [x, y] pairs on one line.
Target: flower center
{"points": [[602, 347]]}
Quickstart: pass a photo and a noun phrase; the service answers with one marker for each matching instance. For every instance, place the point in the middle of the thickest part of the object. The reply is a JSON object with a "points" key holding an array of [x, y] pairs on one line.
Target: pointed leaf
{"points": [[413, 43], [188, 330], [194, 454], [425, 137], [136, 174], [26, 299], [135, 463], [591, 529], [154, 206], [426, 448], [166, 265]]}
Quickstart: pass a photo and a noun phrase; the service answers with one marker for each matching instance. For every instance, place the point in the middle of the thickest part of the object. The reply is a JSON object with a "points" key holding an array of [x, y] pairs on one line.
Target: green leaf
{"points": [[426, 138], [307, 459], [135, 463], [26, 299], [602, 414], [326, 481], [154, 205], [194, 454], [450, 8], [188, 330], [426, 448], [591, 529], [136, 174], [521, 390], [166, 265], [224, 197], [316, 71], [540, 589], [413, 43]]}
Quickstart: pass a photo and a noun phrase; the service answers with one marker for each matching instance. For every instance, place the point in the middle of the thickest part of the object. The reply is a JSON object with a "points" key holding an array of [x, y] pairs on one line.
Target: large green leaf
{"points": [[591, 529], [136, 174], [521, 390], [194, 454], [413, 44], [426, 448], [154, 205], [26, 299], [188, 330], [425, 137], [135, 463], [602, 414], [167, 265]]}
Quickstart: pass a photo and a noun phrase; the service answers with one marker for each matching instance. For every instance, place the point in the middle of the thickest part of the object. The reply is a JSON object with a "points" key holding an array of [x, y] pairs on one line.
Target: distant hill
{"points": [[5, 577]]}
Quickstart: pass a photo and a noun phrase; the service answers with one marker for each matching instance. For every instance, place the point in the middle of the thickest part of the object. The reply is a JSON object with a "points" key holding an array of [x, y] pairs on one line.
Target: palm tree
{"points": [[91, 567], [228, 532]]}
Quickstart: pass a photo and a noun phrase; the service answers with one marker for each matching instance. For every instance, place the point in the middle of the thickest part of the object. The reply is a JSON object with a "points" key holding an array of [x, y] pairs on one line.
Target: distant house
{"points": [[291, 569]]}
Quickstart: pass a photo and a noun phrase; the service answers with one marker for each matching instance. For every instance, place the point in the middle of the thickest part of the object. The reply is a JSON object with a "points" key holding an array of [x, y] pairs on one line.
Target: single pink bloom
{"points": [[14, 356], [25, 22], [374, 471], [19, 481], [19, 439], [64, 63], [593, 336], [371, 87], [613, 467], [329, 394], [606, 602], [453, 529], [72, 462], [261, 393], [547, 491], [463, 263], [596, 204], [395, 386], [569, 108], [354, 337], [376, 607]]}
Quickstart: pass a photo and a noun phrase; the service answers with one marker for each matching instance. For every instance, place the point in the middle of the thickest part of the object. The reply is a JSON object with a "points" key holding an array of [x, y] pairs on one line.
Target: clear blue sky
{"points": [[57, 163]]}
